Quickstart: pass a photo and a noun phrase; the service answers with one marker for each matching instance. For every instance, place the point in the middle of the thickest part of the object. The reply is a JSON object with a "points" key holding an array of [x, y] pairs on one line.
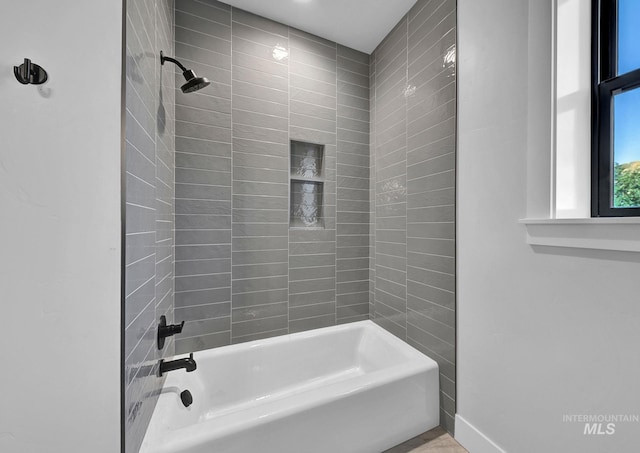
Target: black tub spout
{"points": [[188, 364]]}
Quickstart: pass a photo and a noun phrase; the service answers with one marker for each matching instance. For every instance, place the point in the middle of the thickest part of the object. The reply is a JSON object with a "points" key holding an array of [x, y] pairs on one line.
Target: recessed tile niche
{"points": [[307, 185]]}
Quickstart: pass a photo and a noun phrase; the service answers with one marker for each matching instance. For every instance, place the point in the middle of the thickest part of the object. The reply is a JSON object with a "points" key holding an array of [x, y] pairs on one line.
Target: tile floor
{"points": [[435, 441]]}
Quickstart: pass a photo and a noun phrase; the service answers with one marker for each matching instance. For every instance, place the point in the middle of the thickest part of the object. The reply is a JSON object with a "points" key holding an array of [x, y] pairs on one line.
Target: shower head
{"points": [[194, 83]]}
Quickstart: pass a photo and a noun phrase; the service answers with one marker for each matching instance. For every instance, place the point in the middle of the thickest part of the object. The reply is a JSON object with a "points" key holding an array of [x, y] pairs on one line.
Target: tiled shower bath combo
{"points": [[243, 273], [309, 185]]}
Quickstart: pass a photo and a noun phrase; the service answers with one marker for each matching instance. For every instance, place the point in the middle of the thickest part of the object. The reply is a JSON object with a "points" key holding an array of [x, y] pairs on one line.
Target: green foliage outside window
{"points": [[626, 190]]}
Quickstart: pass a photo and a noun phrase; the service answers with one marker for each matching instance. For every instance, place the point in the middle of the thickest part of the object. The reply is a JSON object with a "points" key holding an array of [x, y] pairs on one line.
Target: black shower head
{"points": [[194, 83]]}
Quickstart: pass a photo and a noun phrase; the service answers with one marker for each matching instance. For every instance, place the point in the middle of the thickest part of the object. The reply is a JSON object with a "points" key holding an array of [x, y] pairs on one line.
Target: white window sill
{"points": [[618, 234]]}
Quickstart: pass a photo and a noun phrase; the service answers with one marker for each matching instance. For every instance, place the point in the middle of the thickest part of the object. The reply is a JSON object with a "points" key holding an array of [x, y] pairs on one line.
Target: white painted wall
{"points": [[60, 228], [542, 332]]}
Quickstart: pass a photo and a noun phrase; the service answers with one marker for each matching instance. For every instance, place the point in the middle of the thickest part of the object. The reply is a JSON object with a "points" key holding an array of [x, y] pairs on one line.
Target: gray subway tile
{"points": [[260, 229], [246, 244], [200, 267], [309, 311], [361, 298], [202, 40], [436, 26], [210, 10], [259, 120], [444, 247], [351, 311], [312, 298], [316, 86], [260, 257], [256, 188], [259, 284], [258, 92], [202, 192], [440, 331], [313, 59], [311, 248], [353, 107], [259, 298], [260, 311], [259, 336], [300, 95], [198, 282], [306, 286], [353, 54], [352, 287], [250, 104], [204, 132], [311, 43], [311, 273], [353, 66], [203, 342], [430, 310], [216, 59], [207, 147], [352, 275], [435, 295], [259, 270], [259, 325], [392, 327], [431, 278], [260, 133], [310, 122], [202, 237], [201, 116], [207, 251], [311, 323], [431, 214], [440, 347], [257, 50], [260, 78], [188, 18], [204, 311], [257, 22], [260, 66], [202, 162]]}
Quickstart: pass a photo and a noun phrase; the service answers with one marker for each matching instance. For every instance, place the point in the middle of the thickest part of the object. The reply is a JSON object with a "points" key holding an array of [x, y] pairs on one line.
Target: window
{"points": [[615, 178]]}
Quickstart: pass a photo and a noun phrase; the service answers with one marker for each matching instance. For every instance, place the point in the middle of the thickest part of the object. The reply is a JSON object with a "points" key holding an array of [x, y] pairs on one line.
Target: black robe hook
{"points": [[30, 73]]}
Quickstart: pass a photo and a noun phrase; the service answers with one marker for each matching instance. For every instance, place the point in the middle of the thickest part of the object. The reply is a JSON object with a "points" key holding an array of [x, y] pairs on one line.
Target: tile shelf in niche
{"points": [[309, 179], [306, 185]]}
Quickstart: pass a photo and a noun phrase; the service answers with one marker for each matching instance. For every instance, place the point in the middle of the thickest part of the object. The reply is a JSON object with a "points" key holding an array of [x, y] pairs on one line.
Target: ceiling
{"points": [[359, 24]]}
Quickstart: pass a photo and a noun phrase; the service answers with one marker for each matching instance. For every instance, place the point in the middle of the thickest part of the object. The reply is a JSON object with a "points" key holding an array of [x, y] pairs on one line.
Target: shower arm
{"points": [[172, 60]]}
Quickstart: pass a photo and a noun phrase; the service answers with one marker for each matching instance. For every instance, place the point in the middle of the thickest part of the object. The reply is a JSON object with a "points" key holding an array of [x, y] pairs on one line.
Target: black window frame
{"points": [[605, 84]]}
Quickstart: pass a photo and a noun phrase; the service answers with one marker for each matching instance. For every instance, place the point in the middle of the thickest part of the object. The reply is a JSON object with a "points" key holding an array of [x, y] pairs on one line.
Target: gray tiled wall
{"points": [[312, 254], [203, 177], [241, 272], [353, 186], [149, 165], [413, 185]]}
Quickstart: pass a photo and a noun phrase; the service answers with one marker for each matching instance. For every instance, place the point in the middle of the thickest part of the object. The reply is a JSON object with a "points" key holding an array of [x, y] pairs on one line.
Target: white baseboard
{"points": [[472, 439]]}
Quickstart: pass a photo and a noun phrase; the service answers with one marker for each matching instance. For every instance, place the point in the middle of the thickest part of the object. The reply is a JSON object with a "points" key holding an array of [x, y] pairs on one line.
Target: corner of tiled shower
{"points": [[387, 121]]}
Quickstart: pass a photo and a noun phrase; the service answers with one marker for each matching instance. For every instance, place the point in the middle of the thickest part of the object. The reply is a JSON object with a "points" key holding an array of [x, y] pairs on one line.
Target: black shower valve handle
{"points": [[30, 73], [174, 329], [167, 330]]}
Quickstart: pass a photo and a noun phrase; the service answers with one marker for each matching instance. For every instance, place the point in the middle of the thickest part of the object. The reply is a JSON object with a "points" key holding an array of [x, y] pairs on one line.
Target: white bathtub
{"points": [[344, 389]]}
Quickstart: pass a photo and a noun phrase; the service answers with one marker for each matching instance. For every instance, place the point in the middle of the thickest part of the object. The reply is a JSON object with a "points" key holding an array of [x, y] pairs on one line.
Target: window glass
{"points": [[626, 149], [628, 35]]}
